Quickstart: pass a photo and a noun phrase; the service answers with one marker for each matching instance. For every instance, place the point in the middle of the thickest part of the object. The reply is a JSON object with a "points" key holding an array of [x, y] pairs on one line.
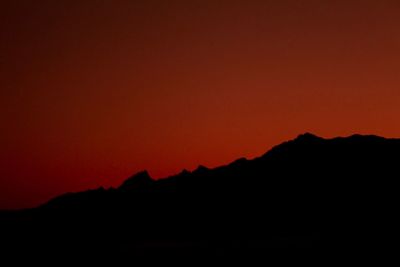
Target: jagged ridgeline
{"points": [[307, 192]]}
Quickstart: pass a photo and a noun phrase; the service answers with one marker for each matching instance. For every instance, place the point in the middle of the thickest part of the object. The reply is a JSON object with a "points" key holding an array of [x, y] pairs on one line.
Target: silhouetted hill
{"points": [[307, 192]]}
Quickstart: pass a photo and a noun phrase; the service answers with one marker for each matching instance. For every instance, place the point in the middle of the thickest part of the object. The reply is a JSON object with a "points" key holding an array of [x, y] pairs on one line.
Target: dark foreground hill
{"points": [[308, 192]]}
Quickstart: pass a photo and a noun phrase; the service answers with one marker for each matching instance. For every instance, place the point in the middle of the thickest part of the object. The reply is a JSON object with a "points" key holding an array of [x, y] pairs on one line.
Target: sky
{"points": [[92, 92]]}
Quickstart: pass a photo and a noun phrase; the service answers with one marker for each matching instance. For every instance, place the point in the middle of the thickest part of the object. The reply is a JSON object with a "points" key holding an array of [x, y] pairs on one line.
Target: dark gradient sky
{"points": [[93, 91]]}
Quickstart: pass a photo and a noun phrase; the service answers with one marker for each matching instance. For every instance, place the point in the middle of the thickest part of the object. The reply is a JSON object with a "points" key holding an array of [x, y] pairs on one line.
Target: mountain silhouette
{"points": [[137, 181], [308, 192]]}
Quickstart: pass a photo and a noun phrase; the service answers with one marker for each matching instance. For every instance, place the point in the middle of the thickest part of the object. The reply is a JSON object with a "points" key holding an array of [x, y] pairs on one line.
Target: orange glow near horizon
{"points": [[94, 92]]}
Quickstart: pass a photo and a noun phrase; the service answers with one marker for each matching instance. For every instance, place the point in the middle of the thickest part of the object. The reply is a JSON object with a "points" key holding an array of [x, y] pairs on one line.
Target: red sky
{"points": [[94, 91]]}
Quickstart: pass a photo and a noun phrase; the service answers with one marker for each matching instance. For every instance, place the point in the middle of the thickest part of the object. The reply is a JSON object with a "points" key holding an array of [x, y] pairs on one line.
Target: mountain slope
{"points": [[307, 192]]}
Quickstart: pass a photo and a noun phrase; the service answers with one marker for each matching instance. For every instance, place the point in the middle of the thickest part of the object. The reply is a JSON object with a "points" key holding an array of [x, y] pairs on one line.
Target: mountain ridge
{"points": [[143, 179], [307, 192]]}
